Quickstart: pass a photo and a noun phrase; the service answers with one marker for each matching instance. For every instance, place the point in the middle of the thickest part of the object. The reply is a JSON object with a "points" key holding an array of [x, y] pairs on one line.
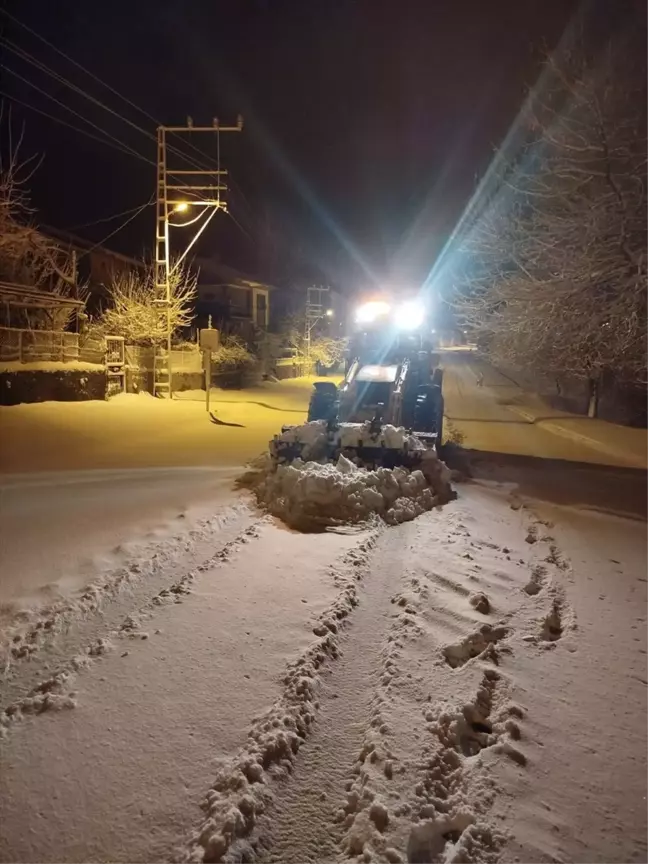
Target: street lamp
{"points": [[329, 313], [181, 207]]}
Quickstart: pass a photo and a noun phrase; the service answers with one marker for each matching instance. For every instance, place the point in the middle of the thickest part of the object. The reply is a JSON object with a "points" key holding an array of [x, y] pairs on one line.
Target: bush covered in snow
{"points": [[232, 355]]}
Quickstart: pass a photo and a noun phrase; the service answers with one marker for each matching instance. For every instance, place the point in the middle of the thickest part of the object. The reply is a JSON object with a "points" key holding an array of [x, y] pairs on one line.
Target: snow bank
{"points": [[51, 366], [334, 490], [313, 436], [312, 493]]}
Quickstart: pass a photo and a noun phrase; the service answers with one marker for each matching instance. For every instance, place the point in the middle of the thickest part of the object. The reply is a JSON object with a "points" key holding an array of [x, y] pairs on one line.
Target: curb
{"points": [[577, 437]]}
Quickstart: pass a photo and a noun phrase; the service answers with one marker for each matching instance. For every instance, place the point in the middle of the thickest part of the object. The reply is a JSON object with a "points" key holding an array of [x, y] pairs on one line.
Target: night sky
{"points": [[367, 121]]}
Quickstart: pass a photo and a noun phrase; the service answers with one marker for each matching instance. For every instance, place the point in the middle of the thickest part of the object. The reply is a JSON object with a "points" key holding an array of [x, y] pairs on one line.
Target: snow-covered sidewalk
{"points": [[623, 445], [138, 431]]}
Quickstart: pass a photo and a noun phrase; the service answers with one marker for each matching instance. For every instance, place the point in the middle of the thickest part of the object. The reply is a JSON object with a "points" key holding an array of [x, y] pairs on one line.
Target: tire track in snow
{"points": [[412, 798], [76, 644], [245, 803], [303, 823], [32, 630]]}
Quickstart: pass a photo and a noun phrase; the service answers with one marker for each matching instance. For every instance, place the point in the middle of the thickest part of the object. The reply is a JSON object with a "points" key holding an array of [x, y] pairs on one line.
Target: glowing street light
{"points": [[329, 313], [181, 207]]}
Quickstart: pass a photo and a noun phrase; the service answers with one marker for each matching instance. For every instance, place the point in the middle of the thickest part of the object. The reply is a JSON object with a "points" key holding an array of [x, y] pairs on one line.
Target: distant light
{"points": [[369, 312], [181, 207], [329, 313], [409, 316]]}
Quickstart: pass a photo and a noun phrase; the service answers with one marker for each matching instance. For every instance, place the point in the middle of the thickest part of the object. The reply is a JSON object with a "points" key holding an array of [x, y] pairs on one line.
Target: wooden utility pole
{"points": [[180, 191]]}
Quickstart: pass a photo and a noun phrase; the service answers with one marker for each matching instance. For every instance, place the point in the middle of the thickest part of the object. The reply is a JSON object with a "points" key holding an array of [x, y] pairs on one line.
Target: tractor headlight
{"points": [[370, 312], [409, 316]]}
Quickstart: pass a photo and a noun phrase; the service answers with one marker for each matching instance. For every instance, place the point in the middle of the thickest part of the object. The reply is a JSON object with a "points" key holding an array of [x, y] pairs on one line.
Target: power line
{"points": [[123, 225], [75, 63], [236, 188], [43, 67], [110, 218], [241, 228], [29, 58], [99, 81], [64, 123], [77, 114], [134, 210]]}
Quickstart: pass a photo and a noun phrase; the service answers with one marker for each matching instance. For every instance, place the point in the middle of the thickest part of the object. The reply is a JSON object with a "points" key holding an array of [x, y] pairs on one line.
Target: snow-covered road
{"points": [[62, 530], [451, 689], [86, 484], [201, 683]]}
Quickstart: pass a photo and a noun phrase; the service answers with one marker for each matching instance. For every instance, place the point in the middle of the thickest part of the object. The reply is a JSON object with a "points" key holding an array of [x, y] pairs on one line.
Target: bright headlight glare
{"points": [[369, 312], [409, 316]]}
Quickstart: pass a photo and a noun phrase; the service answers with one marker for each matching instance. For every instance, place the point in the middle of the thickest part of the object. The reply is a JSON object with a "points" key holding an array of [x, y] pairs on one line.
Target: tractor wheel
{"points": [[441, 410], [323, 402]]}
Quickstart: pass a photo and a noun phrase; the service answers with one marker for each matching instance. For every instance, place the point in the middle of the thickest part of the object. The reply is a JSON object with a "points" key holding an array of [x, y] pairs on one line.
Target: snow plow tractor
{"points": [[388, 410]]}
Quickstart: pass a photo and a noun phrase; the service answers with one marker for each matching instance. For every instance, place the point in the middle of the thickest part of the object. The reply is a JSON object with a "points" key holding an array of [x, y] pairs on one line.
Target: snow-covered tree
{"points": [[27, 256], [135, 312], [554, 264]]}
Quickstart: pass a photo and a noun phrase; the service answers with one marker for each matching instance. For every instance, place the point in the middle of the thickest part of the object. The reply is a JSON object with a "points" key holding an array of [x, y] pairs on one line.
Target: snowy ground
{"points": [[85, 485], [200, 682], [141, 432], [469, 686]]}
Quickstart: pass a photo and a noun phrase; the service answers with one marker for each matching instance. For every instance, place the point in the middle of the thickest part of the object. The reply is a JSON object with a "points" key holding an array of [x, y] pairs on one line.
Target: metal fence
{"points": [[140, 358], [27, 346]]}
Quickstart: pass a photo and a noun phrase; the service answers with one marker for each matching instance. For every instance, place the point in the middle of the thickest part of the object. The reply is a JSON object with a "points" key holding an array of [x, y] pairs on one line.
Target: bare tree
{"points": [[554, 264], [135, 313], [27, 256]]}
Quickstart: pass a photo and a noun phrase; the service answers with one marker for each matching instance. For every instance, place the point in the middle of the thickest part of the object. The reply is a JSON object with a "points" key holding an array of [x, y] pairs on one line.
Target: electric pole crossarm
{"points": [[175, 172], [191, 186], [212, 129], [203, 202]]}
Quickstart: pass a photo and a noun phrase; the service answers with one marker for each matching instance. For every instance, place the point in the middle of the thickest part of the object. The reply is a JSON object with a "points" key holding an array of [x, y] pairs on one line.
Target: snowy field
{"points": [[186, 678]]}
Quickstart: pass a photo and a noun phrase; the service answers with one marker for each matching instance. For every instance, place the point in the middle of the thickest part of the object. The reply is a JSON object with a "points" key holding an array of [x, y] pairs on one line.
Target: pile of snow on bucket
{"points": [[312, 491]]}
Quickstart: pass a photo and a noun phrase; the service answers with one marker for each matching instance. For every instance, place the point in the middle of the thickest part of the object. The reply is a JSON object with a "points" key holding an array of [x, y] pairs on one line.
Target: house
{"points": [[96, 266], [234, 300]]}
